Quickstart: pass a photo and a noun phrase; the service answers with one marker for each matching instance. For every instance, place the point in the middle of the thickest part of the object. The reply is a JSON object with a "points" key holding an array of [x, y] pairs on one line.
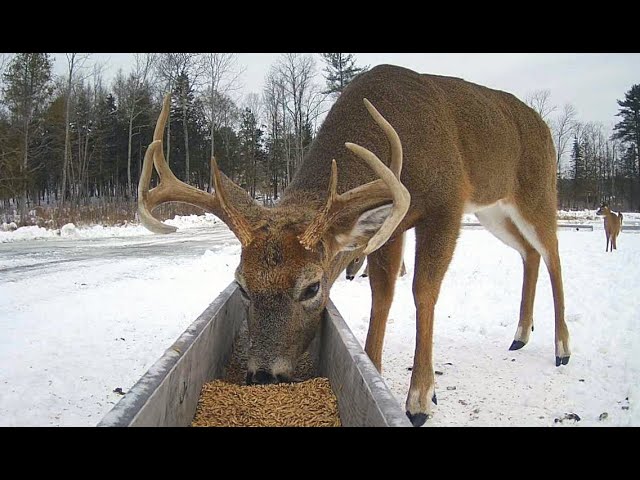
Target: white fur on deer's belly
{"points": [[493, 217], [527, 230]]}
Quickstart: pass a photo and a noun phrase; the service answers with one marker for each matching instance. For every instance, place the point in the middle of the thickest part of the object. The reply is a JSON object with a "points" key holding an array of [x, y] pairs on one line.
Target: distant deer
{"points": [[457, 147], [354, 267], [612, 226]]}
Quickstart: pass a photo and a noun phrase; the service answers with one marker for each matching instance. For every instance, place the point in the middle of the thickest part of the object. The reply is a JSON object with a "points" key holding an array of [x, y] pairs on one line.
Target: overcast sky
{"points": [[592, 82]]}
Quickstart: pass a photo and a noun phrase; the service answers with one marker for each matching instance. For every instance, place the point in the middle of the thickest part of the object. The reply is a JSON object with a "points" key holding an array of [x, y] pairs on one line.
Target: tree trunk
{"points": [[65, 162], [129, 191], [186, 137], [213, 143], [23, 207], [67, 137]]}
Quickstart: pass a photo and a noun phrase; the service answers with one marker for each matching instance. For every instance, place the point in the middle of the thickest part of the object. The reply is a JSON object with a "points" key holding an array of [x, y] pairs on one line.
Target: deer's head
{"points": [[354, 267], [292, 254], [603, 210]]}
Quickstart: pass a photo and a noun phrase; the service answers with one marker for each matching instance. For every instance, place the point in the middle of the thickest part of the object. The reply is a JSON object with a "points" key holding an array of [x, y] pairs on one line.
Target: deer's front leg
{"points": [[435, 243], [383, 265]]}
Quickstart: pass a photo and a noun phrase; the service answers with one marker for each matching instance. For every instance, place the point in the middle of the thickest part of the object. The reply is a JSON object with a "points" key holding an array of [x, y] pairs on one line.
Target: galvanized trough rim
{"points": [[129, 408], [386, 403], [125, 411]]}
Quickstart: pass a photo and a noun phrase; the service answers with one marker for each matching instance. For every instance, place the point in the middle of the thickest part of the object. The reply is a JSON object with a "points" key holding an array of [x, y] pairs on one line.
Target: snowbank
{"points": [[98, 231]]}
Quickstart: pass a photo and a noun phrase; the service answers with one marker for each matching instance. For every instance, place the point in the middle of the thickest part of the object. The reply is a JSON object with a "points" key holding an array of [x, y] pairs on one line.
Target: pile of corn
{"points": [[304, 404], [309, 402]]}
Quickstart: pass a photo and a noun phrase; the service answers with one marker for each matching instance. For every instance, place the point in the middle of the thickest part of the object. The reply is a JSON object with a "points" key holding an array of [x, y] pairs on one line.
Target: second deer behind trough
{"points": [[455, 146], [356, 264]]}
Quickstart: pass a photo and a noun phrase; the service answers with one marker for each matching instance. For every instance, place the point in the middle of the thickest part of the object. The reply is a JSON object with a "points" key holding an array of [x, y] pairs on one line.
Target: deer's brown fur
{"points": [[465, 148]]}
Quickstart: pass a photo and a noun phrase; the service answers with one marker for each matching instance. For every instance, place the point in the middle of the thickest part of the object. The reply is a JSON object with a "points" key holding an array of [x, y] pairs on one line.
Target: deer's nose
{"points": [[262, 377], [349, 277]]}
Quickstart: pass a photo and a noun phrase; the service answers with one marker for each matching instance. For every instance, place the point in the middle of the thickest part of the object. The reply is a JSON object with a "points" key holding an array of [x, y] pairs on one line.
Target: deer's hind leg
{"points": [[538, 224], [496, 220]]}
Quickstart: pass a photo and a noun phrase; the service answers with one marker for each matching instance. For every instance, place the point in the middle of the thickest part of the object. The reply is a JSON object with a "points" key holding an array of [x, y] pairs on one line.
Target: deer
{"points": [[456, 147], [354, 267], [612, 226]]}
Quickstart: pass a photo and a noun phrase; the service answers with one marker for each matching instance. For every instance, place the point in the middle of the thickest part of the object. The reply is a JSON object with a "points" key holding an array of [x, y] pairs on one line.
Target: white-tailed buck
{"points": [[612, 226], [457, 147]]}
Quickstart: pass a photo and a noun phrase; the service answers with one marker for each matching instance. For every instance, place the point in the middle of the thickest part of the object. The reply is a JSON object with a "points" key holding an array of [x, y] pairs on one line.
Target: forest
{"points": [[72, 144]]}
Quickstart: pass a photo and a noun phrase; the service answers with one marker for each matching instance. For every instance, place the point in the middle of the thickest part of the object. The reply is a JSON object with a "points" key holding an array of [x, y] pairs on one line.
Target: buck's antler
{"points": [[170, 189], [389, 186]]}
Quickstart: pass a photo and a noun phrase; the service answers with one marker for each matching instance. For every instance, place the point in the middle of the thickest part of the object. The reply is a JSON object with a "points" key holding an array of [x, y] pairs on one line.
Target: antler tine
{"points": [[158, 133], [160, 161], [388, 185], [317, 227], [144, 206], [232, 216], [170, 189], [396, 146], [401, 197]]}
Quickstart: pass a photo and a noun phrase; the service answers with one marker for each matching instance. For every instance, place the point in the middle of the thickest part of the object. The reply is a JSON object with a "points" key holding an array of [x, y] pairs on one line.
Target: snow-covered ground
{"points": [[86, 311]]}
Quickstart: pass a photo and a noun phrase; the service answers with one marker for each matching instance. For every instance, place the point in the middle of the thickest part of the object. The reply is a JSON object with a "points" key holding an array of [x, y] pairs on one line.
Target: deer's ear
{"points": [[359, 233]]}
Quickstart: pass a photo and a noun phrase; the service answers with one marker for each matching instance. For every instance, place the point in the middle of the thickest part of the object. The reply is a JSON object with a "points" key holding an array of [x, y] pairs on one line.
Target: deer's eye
{"points": [[310, 292]]}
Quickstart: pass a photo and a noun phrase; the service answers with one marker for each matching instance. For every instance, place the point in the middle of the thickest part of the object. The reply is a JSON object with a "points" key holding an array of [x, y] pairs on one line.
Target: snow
{"points": [[84, 311], [99, 231]]}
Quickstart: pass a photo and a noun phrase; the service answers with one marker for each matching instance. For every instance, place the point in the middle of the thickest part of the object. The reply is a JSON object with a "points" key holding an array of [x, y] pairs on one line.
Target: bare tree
{"points": [[563, 127], [172, 67], [540, 101], [253, 102], [221, 73], [130, 91], [275, 121], [92, 92], [297, 73], [315, 105], [75, 63]]}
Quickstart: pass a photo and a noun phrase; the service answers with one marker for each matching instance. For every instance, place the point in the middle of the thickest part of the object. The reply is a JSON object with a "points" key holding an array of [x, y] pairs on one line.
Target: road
{"points": [[28, 258], [80, 318]]}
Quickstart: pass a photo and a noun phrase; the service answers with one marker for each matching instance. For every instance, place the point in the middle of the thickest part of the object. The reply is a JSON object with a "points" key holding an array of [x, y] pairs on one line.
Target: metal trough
{"points": [[167, 395]]}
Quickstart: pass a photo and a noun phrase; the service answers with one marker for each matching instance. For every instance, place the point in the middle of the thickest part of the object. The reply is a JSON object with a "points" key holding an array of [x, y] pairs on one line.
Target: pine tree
{"points": [[340, 70], [189, 134], [26, 93], [251, 151], [628, 131], [577, 169], [53, 134]]}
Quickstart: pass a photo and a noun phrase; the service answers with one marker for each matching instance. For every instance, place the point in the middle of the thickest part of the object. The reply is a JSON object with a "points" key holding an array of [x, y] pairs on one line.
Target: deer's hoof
{"points": [[418, 419], [562, 360], [517, 345]]}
